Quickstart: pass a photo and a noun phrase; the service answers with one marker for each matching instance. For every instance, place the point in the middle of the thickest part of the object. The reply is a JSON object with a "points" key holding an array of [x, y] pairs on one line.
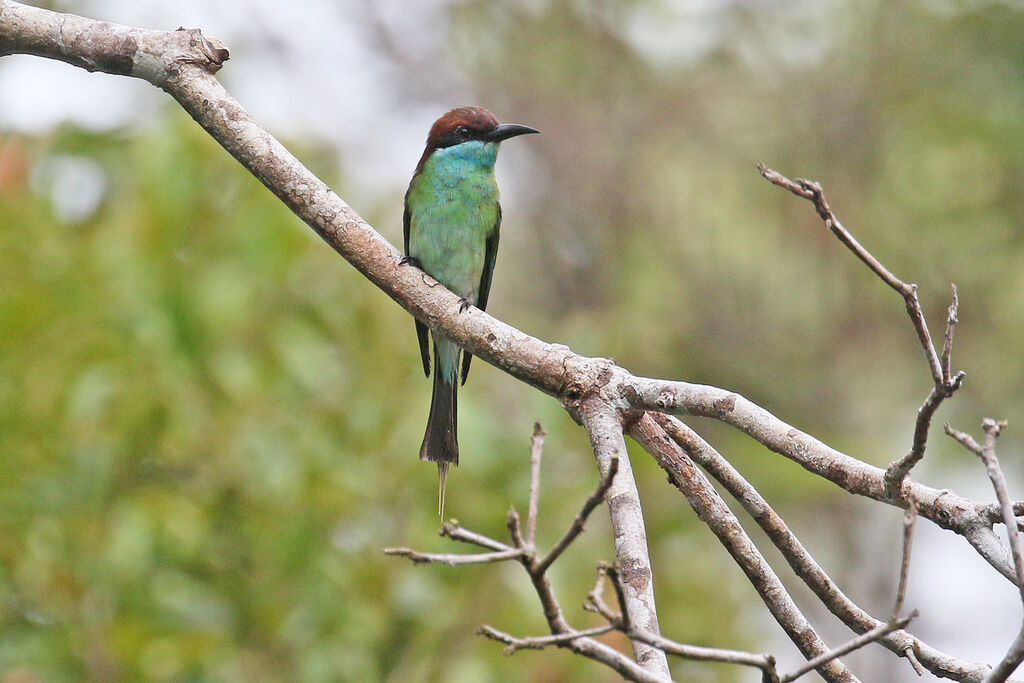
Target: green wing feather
{"points": [[421, 329], [490, 255]]}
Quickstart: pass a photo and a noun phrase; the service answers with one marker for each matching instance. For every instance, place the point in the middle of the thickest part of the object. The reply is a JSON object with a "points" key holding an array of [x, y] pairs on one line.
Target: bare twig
{"points": [[512, 522], [595, 603], [851, 645], [593, 500], [808, 189], [1011, 660], [456, 532], [562, 635], [620, 595], [945, 384], [968, 442], [909, 520], [536, 454], [540, 642], [708, 654], [992, 430], [952, 319], [595, 598], [455, 559]]}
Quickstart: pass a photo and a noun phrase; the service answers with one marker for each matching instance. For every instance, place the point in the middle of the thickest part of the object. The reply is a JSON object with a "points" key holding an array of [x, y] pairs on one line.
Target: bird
{"points": [[451, 224]]}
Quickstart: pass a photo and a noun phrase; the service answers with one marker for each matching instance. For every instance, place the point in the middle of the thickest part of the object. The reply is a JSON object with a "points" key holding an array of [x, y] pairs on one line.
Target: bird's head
{"points": [[468, 124]]}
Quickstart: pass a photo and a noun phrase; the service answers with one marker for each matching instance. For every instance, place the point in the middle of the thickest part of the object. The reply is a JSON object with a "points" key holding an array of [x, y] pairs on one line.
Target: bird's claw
{"points": [[410, 261], [464, 304]]}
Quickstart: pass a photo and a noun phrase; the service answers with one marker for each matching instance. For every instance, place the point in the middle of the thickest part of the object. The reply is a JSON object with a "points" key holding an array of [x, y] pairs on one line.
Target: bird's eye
{"points": [[462, 131]]}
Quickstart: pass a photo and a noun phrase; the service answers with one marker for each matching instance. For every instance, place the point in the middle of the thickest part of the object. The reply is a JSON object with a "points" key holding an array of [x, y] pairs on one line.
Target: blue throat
{"points": [[449, 165]]}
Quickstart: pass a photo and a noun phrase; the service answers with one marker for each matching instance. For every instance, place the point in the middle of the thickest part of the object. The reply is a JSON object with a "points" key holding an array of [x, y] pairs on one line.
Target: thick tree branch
{"points": [[602, 424], [968, 518], [808, 570], [713, 511]]}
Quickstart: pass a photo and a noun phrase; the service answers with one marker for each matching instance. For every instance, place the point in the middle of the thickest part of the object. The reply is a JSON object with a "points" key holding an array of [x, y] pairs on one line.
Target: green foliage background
{"points": [[209, 422]]}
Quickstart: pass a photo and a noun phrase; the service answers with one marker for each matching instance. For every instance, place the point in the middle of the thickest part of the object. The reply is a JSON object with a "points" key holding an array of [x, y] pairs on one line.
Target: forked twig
{"points": [[524, 551], [945, 383], [595, 603], [987, 453]]}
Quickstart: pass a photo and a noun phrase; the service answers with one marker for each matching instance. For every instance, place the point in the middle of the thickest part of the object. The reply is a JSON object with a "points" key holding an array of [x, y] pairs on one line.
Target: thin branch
{"points": [[540, 642], [454, 559], [909, 524], [909, 520], [808, 189], [952, 319], [1011, 660], [898, 470], [595, 598], [992, 430], [593, 500], [512, 522], [851, 645], [536, 453], [456, 532], [968, 442], [706, 654], [945, 384], [620, 595], [595, 603]]}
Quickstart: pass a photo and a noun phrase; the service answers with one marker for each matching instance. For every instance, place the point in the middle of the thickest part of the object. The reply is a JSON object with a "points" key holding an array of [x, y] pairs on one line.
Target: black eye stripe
{"points": [[459, 135]]}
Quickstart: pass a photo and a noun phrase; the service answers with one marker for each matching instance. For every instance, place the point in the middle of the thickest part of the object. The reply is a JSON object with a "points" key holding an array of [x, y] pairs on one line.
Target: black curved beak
{"points": [[507, 130]]}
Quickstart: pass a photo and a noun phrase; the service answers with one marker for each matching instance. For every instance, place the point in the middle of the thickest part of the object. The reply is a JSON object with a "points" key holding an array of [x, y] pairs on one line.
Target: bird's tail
{"points": [[440, 441]]}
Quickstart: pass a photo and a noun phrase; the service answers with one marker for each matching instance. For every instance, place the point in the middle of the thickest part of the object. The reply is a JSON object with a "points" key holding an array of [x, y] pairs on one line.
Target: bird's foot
{"points": [[464, 303], [410, 261]]}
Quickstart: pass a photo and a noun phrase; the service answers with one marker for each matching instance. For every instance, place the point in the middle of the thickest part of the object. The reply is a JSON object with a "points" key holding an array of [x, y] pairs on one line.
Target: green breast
{"points": [[453, 206]]}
